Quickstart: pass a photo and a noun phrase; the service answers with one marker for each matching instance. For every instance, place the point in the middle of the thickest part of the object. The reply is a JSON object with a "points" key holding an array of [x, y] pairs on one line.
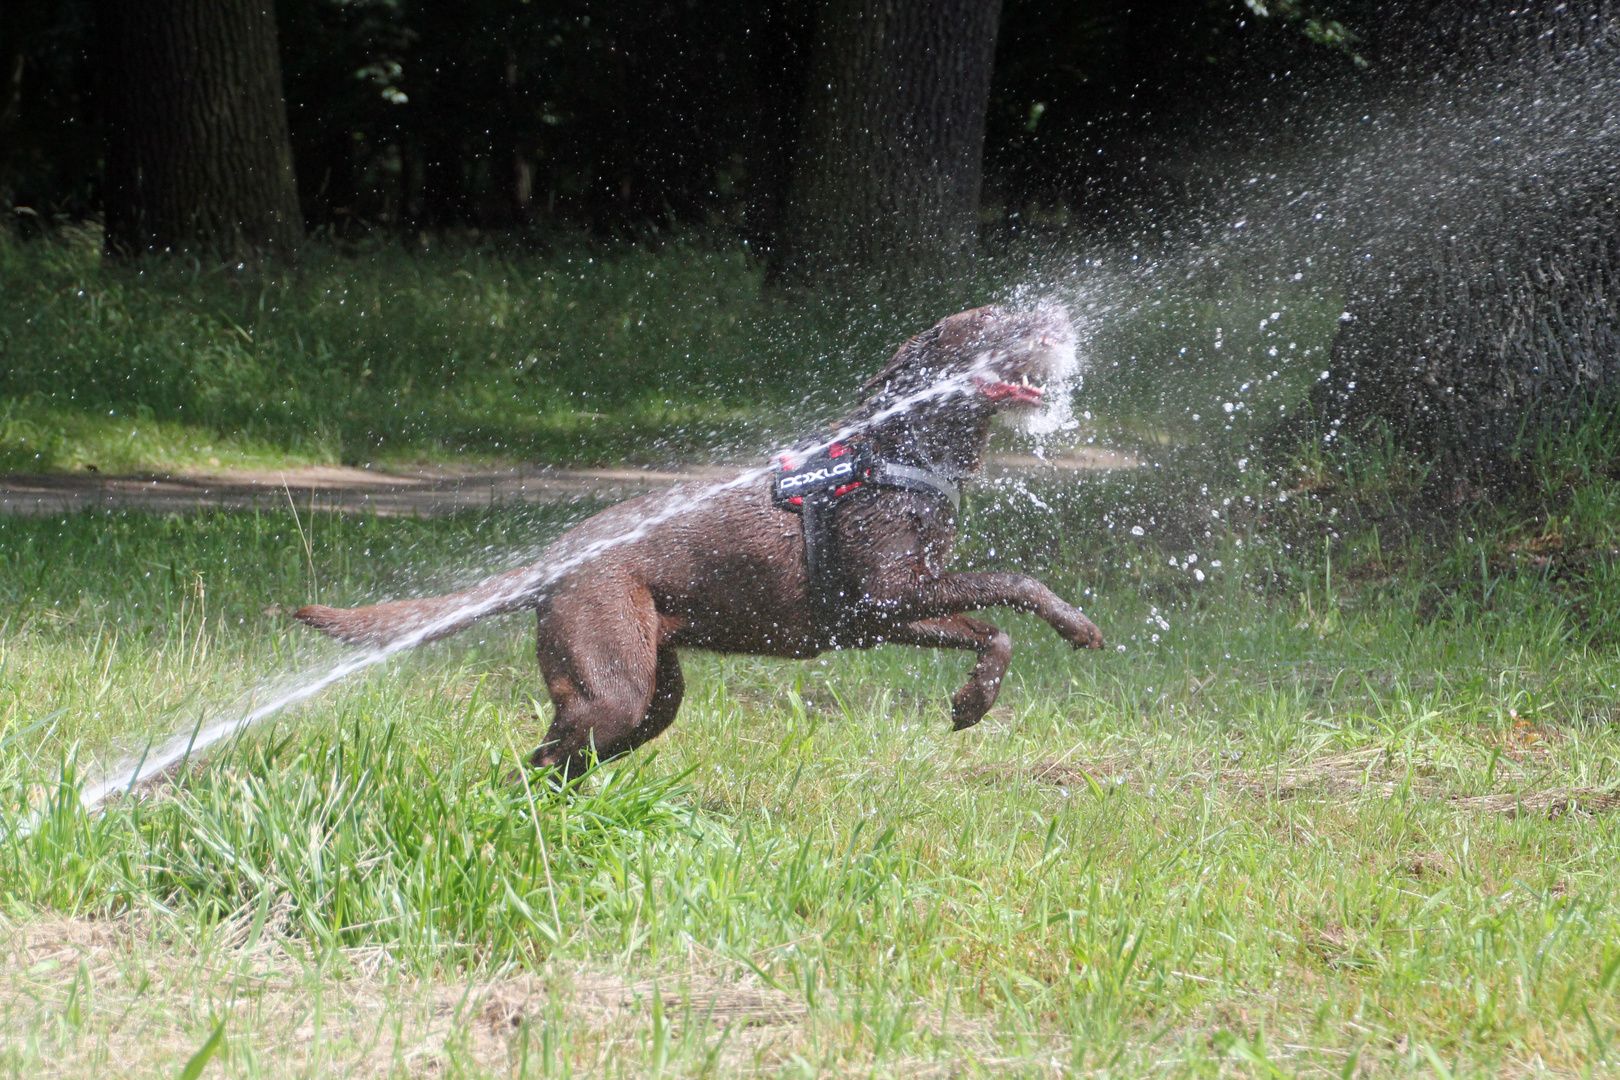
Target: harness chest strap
{"points": [[813, 489], [838, 470], [907, 478]]}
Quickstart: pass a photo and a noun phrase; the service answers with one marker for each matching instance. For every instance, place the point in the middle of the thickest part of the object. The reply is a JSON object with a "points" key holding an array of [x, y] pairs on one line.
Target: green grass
{"points": [[1340, 798], [578, 355], [581, 354], [1306, 822]]}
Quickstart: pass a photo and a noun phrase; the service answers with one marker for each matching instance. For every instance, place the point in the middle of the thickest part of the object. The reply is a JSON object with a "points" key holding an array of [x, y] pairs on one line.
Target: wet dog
{"points": [[741, 567]]}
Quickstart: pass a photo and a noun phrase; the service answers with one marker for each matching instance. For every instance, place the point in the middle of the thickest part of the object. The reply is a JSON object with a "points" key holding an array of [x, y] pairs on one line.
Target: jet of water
{"points": [[179, 747]]}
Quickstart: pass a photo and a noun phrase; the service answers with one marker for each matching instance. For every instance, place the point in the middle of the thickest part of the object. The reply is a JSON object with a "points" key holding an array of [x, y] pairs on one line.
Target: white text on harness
{"points": [[816, 476]]}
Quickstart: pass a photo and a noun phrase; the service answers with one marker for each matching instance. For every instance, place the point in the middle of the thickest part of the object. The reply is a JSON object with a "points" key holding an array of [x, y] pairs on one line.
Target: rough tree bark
{"points": [[887, 169], [1485, 305], [197, 153]]}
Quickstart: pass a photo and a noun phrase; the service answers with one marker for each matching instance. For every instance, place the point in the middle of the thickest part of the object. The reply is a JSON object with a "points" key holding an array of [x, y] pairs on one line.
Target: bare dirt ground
{"points": [[408, 491]]}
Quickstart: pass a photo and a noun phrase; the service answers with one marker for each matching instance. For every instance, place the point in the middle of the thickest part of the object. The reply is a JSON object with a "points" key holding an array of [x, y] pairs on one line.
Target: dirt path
{"points": [[410, 491]]}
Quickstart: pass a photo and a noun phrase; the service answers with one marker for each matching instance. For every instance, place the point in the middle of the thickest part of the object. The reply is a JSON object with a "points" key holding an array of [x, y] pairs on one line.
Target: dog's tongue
{"points": [[1006, 391]]}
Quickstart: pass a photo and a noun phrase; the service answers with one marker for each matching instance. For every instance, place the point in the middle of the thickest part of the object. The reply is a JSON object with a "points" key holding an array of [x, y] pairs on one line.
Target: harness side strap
{"points": [[906, 478]]}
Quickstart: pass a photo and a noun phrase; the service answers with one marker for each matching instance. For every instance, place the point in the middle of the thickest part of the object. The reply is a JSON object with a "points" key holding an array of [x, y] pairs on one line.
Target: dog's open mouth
{"points": [[1023, 392]]}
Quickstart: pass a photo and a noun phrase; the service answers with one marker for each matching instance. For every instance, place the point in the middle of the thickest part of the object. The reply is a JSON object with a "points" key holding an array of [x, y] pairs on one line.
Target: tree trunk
{"points": [[782, 44], [887, 170], [198, 158], [1484, 307]]}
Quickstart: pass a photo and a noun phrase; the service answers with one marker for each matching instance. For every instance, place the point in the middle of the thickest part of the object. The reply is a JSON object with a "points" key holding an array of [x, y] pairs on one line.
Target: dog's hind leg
{"points": [[613, 687], [992, 643], [669, 686]]}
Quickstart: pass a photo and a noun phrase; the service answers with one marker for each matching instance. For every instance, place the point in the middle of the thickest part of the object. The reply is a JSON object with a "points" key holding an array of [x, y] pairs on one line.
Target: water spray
{"points": [[179, 747]]}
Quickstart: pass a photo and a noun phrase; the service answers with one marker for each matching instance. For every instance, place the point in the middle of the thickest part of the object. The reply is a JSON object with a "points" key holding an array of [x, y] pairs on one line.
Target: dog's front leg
{"points": [[910, 597], [991, 642]]}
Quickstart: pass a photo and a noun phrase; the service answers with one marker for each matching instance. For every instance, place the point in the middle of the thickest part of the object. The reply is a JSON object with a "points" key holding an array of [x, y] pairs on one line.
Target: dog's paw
{"points": [[964, 714], [972, 702], [1083, 634]]}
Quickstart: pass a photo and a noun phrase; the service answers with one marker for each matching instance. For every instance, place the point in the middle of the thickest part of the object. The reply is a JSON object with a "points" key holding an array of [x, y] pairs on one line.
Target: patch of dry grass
{"points": [[132, 997]]}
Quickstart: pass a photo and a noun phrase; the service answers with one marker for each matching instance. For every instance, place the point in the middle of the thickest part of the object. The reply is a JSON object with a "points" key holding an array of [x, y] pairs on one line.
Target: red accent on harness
{"points": [[797, 500], [837, 449], [839, 493]]}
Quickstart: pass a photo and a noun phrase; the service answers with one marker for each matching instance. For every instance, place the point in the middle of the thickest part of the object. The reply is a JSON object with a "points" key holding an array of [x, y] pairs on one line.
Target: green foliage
{"points": [[362, 839], [204, 1054], [1315, 26], [588, 353], [1340, 790], [393, 355], [585, 354], [1314, 803]]}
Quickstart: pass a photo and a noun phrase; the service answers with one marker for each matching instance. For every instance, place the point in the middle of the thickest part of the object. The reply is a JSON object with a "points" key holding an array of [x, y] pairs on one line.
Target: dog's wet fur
{"points": [[729, 575]]}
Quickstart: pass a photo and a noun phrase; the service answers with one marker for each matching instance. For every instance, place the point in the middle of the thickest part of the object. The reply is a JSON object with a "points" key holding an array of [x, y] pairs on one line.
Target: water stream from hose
{"points": [[210, 731]]}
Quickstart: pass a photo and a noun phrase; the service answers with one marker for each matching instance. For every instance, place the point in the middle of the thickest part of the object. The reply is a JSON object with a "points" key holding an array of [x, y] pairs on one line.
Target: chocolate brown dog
{"points": [[724, 566]]}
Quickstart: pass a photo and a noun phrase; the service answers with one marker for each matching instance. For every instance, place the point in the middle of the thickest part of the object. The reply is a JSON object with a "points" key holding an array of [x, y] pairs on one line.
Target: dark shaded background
{"points": [[628, 118]]}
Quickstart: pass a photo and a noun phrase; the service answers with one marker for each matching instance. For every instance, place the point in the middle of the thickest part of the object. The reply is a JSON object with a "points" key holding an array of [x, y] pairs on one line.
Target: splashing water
{"points": [[180, 746]]}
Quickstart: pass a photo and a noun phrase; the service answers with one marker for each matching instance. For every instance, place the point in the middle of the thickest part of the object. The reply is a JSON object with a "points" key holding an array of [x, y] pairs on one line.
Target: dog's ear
{"points": [[905, 357]]}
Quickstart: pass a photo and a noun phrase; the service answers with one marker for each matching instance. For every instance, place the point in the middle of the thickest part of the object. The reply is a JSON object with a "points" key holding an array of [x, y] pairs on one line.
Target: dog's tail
{"points": [[430, 619]]}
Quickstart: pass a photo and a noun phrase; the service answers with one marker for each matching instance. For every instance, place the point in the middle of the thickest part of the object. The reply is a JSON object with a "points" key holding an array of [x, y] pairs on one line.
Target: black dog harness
{"points": [[811, 486]]}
